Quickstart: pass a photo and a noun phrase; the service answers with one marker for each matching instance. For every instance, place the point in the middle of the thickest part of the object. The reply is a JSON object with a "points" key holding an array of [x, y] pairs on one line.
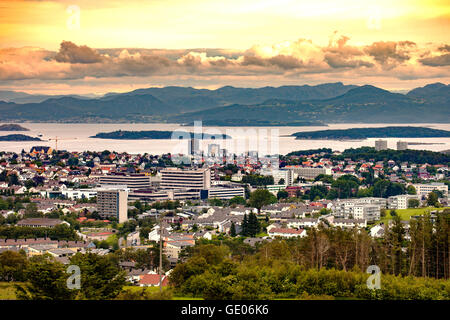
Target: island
{"points": [[364, 133], [12, 127], [18, 137], [152, 134], [256, 123]]}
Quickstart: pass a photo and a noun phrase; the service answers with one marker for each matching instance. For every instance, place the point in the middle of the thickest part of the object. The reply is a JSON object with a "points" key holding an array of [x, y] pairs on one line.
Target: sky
{"points": [[85, 46]]}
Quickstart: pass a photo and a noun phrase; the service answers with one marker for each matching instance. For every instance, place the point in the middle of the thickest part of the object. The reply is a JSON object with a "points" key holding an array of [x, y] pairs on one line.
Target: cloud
{"points": [[290, 60], [70, 52], [437, 61], [390, 53]]}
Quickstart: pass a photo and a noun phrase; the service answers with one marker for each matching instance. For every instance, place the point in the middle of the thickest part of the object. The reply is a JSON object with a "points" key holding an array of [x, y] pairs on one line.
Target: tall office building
{"points": [[402, 145], [175, 178], [380, 145], [194, 146], [113, 202]]}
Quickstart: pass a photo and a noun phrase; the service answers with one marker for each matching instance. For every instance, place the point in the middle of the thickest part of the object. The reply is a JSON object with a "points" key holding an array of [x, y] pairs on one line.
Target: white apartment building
{"points": [[285, 174], [308, 172], [424, 189], [400, 201], [361, 208]]}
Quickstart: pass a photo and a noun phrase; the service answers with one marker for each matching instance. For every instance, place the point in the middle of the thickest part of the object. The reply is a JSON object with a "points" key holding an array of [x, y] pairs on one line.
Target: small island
{"points": [[256, 123], [152, 134], [364, 133], [12, 127], [18, 137]]}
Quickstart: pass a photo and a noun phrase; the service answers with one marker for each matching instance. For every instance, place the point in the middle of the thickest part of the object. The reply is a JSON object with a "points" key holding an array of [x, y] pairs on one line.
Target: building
{"points": [[368, 212], [286, 233], [194, 146], [132, 181], [400, 201], [402, 145], [308, 172], [41, 150], [175, 178], [113, 202], [214, 150], [223, 192], [362, 208], [423, 190], [285, 174], [39, 223], [163, 195], [380, 145]]}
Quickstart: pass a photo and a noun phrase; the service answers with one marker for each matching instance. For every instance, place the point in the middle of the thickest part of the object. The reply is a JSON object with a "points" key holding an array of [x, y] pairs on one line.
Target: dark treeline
{"points": [[328, 261], [59, 232], [412, 156]]}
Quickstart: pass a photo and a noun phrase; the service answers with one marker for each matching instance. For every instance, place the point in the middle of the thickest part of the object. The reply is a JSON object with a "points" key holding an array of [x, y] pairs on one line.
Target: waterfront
{"points": [[76, 137]]}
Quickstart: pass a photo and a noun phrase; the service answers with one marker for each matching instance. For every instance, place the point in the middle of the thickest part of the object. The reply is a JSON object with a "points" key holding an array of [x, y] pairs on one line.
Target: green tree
{"points": [[233, 229], [260, 198], [411, 190], [101, 279], [432, 200], [413, 203], [46, 280]]}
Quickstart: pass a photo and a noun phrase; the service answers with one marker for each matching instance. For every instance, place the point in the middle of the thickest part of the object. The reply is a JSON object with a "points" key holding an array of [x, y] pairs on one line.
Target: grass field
{"points": [[156, 289], [7, 291], [405, 214]]}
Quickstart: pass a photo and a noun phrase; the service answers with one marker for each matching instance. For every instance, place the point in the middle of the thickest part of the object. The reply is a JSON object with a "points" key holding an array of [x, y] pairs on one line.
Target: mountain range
{"points": [[325, 103]]}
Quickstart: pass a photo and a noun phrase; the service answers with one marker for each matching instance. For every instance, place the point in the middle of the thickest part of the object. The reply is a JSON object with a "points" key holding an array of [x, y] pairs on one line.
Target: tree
{"points": [[101, 278], [12, 266], [244, 230], [432, 200], [233, 229], [237, 200], [282, 194], [281, 181], [413, 203], [260, 198], [411, 190], [46, 280], [253, 225]]}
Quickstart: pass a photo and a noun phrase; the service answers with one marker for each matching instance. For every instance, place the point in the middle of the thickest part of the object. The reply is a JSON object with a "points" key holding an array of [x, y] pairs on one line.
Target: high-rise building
{"points": [[175, 178], [380, 145], [194, 146], [113, 202], [402, 145], [214, 150]]}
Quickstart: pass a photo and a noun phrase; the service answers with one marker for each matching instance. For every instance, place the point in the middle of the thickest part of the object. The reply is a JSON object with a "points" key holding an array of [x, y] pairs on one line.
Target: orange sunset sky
{"points": [[87, 46]]}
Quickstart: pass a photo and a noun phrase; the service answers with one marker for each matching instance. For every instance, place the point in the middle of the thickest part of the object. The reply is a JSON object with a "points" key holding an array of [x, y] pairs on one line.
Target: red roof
{"points": [[153, 280], [286, 230]]}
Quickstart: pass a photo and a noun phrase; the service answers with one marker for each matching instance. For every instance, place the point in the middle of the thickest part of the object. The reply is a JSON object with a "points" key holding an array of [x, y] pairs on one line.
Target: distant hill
{"points": [[18, 137], [23, 97], [326, 103], [152, 134], [363, 133], [12, 127], [435, 92], [198, 99]]}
